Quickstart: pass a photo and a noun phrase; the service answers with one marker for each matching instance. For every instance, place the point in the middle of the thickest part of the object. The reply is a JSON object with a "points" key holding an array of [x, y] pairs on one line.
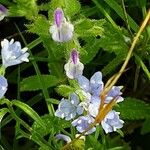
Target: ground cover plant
{"points": [[74, 75]]}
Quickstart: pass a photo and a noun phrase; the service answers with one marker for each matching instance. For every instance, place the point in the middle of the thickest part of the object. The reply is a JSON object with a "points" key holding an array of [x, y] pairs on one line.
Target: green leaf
{"points": [[113, 64], [89, 27], [40, 26], [143, 66], [146, 126], [64, 90], [3, 112], [53, 124], [28, 110], [24, 8], [71, 7], [113, 40], [32, 83], [117, 8], [133, 109]]}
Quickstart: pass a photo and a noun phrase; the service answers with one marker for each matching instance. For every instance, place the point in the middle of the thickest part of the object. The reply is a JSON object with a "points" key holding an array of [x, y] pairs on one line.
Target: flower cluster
{"points": [[11, 54], [90, 103]]}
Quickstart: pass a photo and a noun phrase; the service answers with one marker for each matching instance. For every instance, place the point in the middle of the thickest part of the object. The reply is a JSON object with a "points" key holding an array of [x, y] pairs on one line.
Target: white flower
{"points": [[12, 54], [61, 30], [112, 122], [74, 67]]}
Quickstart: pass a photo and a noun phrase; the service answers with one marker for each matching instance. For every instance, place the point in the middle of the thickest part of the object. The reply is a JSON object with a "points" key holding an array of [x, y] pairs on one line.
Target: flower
{"points": [[74, 67], [3, 12], [94, 86], [82, 123], [61, 30], [3, 86], [114, 93], [12, 54], [68, 109], [63, 137], [112, 122]]}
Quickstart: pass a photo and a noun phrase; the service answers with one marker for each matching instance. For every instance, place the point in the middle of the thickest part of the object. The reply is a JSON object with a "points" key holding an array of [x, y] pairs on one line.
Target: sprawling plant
{"points": [[72, 42]]}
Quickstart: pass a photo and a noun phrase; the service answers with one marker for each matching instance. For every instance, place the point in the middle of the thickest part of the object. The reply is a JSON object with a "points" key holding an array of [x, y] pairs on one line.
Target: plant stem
{"points": [[126, 18], [44, 89]]}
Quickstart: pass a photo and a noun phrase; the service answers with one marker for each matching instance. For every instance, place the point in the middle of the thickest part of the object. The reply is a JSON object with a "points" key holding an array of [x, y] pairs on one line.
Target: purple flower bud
{"points": [[74, 56], [3, 9], [58, 16], [3, 12]]}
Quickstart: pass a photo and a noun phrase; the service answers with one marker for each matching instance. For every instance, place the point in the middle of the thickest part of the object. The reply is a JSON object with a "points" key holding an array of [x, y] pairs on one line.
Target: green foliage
{"points": [[92, 143], [118, 9], [32, 83], [89, 27], [40, 26], [65, 90], [133, 109], [116, 143], [113, 41], [28, 110], [146, 127], [3, 112], [71, 7], [24, 8], [53, 125], [88, 30]]}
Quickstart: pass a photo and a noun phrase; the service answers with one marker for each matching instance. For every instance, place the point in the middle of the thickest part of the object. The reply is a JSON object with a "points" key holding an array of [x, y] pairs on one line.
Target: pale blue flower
{"points": [[82, 123], [68, 109], [94, 106], [61, 30], [12, 54], [63, 137], [3, 86], [112, 122], [94, 86], [3, 12], [114, 93], [74, 67]]}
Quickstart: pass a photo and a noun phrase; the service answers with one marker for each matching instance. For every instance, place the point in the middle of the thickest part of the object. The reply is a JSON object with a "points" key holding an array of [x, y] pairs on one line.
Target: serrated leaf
{"points": [[28, 110], [64, 90], [32, 83], [133, 109], [24, 8], [89, 27], [40, 26], [113, 40], [91, 49]]}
